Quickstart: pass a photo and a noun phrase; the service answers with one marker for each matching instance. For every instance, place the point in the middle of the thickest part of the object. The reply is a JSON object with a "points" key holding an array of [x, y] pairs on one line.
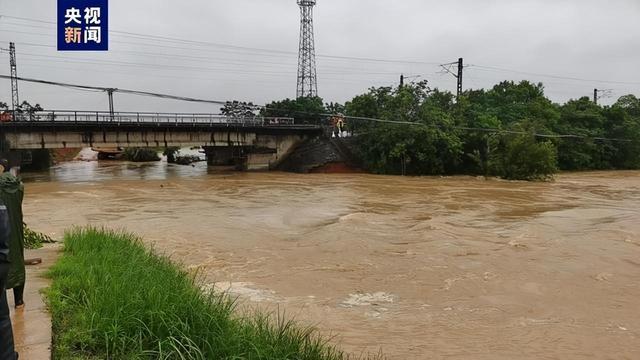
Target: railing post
{"points": [[138, 117], [97, 117], [75, 117]]}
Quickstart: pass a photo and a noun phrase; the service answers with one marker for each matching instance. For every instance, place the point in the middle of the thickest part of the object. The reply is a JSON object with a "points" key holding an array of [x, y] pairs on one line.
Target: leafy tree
{"points": [[583, 118], [237, 109], [439, 135], [334, 108], [514, 102], [630, 104], [417, 130], [27, 108], [305, 110], [409, 149], [423, 144], [623, 122], [522, 157], [367, 105]]}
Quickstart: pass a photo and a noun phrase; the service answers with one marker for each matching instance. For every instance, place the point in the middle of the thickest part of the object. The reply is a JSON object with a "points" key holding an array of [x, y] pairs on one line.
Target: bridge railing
{"points": [[142, 118]]}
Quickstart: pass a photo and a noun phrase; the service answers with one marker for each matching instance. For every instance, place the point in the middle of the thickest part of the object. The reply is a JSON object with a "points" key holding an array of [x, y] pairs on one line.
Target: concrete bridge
{"points": [[255, 143]]}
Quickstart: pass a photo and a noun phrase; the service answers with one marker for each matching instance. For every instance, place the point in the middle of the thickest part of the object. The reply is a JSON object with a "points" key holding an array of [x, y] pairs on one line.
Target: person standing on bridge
{"points": [[339, 124], [7, 349], [11, 194]]}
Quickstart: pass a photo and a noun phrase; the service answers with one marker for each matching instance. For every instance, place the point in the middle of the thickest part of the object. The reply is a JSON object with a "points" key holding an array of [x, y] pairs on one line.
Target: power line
{"points": [[333, 70], [141, 36], [123, 91], [494, 68], [147, 65], [487, 130]]}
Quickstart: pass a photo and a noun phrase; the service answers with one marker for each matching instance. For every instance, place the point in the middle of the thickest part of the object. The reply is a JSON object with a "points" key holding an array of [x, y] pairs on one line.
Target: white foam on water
{"points": [[244, 290], [367, 299]]}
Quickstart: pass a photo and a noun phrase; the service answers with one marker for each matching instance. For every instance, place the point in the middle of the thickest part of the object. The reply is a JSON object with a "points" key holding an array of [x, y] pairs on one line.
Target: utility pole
{"points": [[601, 94], [110, 93], [15, 102], [458, 74], [460, 67], [403, 78]]}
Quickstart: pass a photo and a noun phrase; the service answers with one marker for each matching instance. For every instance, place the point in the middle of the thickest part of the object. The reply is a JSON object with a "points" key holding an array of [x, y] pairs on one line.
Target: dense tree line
{"points": [[512, 130]]}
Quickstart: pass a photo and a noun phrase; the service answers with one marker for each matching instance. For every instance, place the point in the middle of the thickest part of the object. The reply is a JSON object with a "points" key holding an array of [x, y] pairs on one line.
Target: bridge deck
{"points": [[62, 129], [79, 120]]}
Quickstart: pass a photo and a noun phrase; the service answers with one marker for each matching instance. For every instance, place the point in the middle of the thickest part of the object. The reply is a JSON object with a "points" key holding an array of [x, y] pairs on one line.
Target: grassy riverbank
{"points": [[112, 298]]}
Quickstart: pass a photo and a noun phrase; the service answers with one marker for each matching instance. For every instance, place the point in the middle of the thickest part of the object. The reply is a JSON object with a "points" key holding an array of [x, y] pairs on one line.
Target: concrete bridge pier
{"points": [[264, 153], [219, 156], [38, 159]]}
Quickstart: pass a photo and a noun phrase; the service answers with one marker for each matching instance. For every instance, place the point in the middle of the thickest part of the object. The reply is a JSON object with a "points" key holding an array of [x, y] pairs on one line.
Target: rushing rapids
{"points": [[420, 268]]}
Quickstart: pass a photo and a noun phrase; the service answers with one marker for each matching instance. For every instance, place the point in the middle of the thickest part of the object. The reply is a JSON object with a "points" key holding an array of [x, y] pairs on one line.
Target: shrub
{"points": [[141, 155], [524, 158]]}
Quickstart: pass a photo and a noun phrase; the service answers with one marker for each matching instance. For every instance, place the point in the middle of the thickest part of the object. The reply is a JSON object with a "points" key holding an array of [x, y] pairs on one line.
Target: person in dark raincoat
{"points": [[11, 194], [7, 350]]}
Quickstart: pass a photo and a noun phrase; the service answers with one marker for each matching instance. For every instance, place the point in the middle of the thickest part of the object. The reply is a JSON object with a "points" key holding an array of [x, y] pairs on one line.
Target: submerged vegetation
{"points": [[34, 239], [112, 298], [511, 130], [141, 155]]}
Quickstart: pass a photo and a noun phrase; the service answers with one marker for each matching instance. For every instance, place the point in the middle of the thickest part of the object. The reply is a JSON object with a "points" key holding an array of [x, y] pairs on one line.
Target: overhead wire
{"points": [[123, 91], [330, 70], [159, 38], [488, 130], [141, 36], [263, 52], [493, 68]]}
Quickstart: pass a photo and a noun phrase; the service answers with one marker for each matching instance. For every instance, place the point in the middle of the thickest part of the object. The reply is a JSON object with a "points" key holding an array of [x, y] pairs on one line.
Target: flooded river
{"points": [[418, 268]]}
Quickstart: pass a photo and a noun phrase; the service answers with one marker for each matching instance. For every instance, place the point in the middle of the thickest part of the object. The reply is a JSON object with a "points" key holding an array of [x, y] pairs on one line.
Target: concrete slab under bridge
{"points": [[250, 158]]}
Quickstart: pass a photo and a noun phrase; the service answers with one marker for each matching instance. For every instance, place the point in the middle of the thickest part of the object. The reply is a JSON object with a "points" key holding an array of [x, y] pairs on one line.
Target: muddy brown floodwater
{"points": [[419, 268]]}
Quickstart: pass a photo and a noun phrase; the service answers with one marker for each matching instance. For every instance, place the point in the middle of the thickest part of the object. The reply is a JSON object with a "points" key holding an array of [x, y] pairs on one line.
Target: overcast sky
{"points": [[593, 40]]}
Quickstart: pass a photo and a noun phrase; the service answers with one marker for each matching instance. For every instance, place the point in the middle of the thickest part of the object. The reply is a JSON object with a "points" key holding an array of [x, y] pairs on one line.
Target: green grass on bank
{"points": [[112, 298]]}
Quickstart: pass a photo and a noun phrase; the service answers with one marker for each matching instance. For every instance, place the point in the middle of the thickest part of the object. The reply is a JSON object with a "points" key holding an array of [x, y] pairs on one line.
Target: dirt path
{"points": [[32, 325]]}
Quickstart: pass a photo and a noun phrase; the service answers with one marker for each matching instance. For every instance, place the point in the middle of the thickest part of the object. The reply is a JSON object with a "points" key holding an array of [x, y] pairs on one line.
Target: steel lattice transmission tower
{"points": [[14, 77], [307, 77]]}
